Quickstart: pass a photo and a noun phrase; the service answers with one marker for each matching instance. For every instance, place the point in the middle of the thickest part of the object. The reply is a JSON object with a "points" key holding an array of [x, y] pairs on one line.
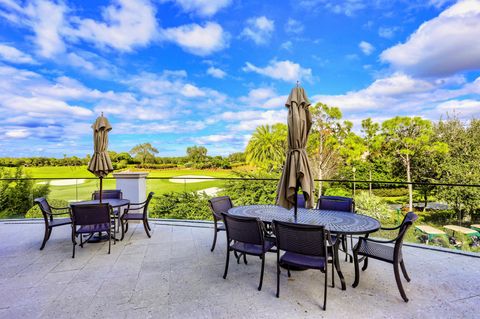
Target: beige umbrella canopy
{"points": [[100, 164], [296, 171]]}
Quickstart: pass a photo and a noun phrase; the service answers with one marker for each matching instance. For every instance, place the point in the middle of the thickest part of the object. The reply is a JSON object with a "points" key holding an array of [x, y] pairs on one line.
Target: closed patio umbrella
{"points": [[296, 171], [100, 164]]}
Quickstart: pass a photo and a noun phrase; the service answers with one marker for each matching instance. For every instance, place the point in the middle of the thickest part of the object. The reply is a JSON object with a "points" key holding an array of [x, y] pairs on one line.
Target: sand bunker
{"points": [[189, 179], [64, 182], [212, 191]]}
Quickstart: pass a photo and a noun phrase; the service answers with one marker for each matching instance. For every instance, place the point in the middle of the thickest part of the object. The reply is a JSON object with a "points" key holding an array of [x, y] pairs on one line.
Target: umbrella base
{"points": [[98, 238]]}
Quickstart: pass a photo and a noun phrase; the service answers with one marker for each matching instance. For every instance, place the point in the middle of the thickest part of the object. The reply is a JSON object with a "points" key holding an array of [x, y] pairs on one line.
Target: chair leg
{"points": [[278, 274], [404, 271], [146, 228], [399, 282], [45, 237], [245, 259], [226, 262], [365, 264], [325, 289], [126, 225], [215, 231], [49, 232], [357, 270], [262, 271], [333, 273], [288, 272], [148, 225], [109, 240]]}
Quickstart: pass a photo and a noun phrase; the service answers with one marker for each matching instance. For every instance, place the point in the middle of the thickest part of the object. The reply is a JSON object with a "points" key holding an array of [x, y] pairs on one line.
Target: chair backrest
{"points": [[300, 201], [219, 205], [244, 229], [147, 202], [407, 221], [300, 238], [91, 214], [108, 193], [339, 203], [44, 208]]}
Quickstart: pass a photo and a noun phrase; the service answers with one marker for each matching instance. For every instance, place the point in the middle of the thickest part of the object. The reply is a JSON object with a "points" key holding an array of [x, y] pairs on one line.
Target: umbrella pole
{"points": [[100, 193], [295, 202]]}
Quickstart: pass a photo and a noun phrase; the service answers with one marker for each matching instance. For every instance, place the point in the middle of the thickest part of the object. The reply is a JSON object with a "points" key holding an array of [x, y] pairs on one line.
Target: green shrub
{"points": [[181, 205], [16, 195], [373, 206], [35, 212], [390, 192], [338, 191], [251, 192]]}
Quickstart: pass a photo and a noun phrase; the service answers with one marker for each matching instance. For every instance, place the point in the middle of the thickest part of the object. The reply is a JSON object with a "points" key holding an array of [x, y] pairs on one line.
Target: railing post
{"points": [[133, 185]]}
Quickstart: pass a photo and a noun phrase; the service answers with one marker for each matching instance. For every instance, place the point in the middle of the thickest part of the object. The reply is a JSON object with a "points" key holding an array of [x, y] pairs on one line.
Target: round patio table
{"points": [[334, 221], [113, 202]]}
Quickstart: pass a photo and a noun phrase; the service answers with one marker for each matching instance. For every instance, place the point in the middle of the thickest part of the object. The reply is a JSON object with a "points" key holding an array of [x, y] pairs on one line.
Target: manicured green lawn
{"points": [[83, 189]]}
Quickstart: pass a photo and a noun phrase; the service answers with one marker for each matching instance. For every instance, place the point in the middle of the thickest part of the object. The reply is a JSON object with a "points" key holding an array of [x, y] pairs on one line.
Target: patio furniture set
{"points": [[430, 233], [108, 213], [309, 239]]}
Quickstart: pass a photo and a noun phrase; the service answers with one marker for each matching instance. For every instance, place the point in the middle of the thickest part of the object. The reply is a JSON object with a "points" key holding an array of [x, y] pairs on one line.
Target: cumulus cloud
{"points": [[216, 72], [259, 30], [204, 8], [281, 70], [197, 39], [294, 26], [442, 46], [249, 120], [346, 7], [125, 25], [387, 32], [366, 47], [13, 55]]}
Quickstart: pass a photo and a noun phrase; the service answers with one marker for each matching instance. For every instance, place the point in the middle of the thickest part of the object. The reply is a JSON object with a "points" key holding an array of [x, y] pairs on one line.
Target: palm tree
{"points": [[267, 146], [144, 151]]}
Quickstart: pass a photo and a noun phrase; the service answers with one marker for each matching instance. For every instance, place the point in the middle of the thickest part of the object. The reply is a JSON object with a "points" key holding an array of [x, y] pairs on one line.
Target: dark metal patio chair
{"points": [[143, 216], [377, 249], [90, 219], [48, 213], [305, 246], [218, 205], [112, 194], [108, 193], [245, 235], [341, 204]]}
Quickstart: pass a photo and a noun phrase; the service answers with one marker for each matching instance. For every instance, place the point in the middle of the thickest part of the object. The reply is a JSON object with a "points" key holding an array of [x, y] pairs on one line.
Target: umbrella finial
{"points": [[102, 114], [298, 83]]}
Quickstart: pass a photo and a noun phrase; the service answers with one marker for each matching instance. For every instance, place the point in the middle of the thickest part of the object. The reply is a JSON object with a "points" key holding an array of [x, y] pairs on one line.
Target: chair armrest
{"points": [[391, 228], [60, 208]]}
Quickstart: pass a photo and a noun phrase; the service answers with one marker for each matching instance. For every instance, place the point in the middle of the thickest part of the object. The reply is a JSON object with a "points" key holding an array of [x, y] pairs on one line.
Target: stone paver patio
{"points": [[174, 275]]}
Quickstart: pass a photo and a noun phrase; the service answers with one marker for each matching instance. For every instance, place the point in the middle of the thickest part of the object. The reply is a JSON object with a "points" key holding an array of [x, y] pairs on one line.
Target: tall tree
{"points": [[197, 154], [328, 133], [144, 152], [407, 137], [373, 142], [267, 146]]}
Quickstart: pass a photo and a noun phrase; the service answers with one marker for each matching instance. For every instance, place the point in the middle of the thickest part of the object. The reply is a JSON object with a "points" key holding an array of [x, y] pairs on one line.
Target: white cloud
{"points": [[216, 72], [287, 45], [93, 68], [190, 90], [259, 29], [366, 47], [204, 8], [20, 133], [196, 39], [249, 120], [281, 70], [467, 108], [346, 7], [13, 55], [387, 32], [442, 46], [125, 25], [47, 19], [294, 26]]}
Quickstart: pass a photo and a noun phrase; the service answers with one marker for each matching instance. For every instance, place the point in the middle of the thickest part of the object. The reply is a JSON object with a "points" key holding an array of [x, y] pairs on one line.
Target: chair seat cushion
{"points": [[304, 261], [133, 216], [93, 228], [375, 250], [252, 248], [60, 222]]}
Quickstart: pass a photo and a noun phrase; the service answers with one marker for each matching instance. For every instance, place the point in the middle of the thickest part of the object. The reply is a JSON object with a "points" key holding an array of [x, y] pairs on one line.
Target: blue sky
{"points": [[178, 73]]}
